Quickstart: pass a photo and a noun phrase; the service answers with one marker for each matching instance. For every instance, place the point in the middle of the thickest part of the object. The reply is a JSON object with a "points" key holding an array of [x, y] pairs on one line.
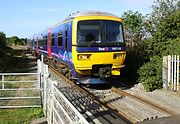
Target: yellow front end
{"points": [[84, 61]]}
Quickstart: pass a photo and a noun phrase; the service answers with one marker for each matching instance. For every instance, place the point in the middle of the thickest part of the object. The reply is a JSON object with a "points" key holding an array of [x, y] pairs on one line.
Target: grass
{"points": [[11, 61], [19, 116]]}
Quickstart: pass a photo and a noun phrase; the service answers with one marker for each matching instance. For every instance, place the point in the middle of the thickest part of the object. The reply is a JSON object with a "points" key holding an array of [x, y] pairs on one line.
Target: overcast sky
{"points": [[23, 18]]}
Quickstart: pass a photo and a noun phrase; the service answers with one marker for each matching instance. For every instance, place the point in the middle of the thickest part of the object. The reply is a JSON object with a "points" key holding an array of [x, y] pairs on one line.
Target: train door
{"points": [[65, 45], [53, 46], [66, 38], [49, 43], [37, 46]]}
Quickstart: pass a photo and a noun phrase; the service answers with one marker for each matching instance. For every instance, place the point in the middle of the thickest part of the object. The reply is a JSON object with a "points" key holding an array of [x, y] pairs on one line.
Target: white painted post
{"points": [[164, 72], [169, 70], [39, 73], [178, 61], [172, 71], [2, 81], [42, 70], [52, 100], [45, 88], [175, 83]]}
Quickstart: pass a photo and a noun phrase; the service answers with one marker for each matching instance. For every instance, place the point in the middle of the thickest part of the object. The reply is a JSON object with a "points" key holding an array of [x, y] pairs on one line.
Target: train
{"points": [[87, 46]]}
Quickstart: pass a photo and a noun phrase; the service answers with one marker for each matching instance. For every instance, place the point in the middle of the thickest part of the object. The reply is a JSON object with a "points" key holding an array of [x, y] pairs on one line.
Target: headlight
{"points": [[84, 56], [117, 55]]}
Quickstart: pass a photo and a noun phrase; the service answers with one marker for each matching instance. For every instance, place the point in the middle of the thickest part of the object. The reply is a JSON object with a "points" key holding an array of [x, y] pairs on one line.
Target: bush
{"points": [[150, 74]]}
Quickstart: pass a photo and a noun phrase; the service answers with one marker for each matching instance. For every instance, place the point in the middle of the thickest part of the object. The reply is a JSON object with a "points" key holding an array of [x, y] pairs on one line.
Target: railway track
{"points": [[93, 109], [124, 106]]}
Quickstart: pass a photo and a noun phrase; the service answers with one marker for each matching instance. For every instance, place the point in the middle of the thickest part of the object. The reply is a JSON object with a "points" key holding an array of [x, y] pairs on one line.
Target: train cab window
{"points": [[53, 40], [66, 38], [60, 38]]}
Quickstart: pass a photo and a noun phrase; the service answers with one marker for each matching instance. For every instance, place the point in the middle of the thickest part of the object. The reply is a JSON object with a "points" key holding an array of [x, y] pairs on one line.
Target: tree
{"points": [[14, 40], [133, 25], [2, 43], [2, 39], [161, 9], [135, 36], [164, 40]]}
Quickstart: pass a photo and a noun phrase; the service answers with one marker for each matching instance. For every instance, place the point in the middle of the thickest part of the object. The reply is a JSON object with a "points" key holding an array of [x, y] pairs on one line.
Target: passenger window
{"points": [[53, 40], [60, 38]]}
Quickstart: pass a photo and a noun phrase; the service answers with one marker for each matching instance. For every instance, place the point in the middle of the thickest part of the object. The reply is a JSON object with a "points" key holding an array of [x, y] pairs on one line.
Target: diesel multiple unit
{"points": [[86, 46]]}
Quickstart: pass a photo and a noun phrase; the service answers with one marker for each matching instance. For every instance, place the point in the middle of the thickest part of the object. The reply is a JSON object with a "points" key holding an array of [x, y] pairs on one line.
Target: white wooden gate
{"points": [[171, 72]]}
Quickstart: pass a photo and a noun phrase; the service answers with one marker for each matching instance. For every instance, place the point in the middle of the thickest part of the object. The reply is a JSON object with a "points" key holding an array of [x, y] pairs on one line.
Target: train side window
{"points": [[66, 38], [44, 40], [60, 38], [53, 40]]}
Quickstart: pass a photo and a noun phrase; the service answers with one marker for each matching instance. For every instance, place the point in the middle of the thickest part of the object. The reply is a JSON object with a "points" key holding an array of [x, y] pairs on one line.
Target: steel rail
{"points": [[145, 101], [101, 102]]}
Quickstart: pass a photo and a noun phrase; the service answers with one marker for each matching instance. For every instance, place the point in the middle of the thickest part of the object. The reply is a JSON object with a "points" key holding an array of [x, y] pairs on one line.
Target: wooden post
{"points": [[175, 71], [172, 71], [169, 70], [178, 61], [164, 72]]}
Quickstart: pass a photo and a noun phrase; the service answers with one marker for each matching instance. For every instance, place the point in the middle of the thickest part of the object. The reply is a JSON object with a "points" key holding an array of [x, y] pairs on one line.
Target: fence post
{"points": [[2, 81], [178, 61], [45, 89], [172, 71], [175, 71], [164, 73], [39, 72], [169, 70]]}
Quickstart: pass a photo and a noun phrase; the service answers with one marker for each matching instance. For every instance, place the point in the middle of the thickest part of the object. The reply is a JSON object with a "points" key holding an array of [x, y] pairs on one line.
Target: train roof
{"points": [[90, 13], [85, 13]]}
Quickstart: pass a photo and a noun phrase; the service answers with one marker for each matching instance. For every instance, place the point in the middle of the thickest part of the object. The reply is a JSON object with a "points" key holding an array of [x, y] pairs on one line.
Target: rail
{"points": [[147, 102]]}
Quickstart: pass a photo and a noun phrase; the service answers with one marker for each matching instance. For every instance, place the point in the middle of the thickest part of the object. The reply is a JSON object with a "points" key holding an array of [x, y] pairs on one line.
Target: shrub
{"points": [[150, 74]]}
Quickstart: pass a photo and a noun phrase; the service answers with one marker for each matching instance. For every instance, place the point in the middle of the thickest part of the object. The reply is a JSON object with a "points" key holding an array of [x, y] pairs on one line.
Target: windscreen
{"points": [[99, 33]]}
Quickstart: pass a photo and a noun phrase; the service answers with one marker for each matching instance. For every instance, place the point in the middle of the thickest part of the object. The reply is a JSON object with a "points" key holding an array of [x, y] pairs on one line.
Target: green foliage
{"points": [[161, 9], [164, 40], [2, 42], [150, 74], [134, 35], [133, 24], [173, 47], [14, 40]]}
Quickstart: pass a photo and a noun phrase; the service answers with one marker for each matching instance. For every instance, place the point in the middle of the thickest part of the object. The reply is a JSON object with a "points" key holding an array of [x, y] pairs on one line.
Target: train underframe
{"points": [[100, 73]]}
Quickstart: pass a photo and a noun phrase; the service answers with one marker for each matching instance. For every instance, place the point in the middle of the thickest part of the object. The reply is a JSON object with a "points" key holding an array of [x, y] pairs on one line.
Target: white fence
{"points": [[57, 108], [14, 92], [171, 72]]}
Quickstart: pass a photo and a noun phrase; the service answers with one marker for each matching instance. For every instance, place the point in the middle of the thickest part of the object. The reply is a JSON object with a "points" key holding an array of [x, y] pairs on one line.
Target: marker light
{"points": [[117, 55], [84, 56]]}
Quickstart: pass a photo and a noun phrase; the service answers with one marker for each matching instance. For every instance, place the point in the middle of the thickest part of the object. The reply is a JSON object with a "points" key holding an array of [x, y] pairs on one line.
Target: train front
{"points": [[98, 47]]}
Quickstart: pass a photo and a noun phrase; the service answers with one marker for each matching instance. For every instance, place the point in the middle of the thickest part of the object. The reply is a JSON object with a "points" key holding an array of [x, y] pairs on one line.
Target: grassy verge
{"points": [[19, 116], [11, 61]]}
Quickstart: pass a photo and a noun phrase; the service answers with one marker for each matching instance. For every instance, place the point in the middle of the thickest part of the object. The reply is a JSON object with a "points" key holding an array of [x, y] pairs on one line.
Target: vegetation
{"points": [[10, 60], [160, 36], [134, 35], [2, 43], [14, 40], [19, 116]]}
